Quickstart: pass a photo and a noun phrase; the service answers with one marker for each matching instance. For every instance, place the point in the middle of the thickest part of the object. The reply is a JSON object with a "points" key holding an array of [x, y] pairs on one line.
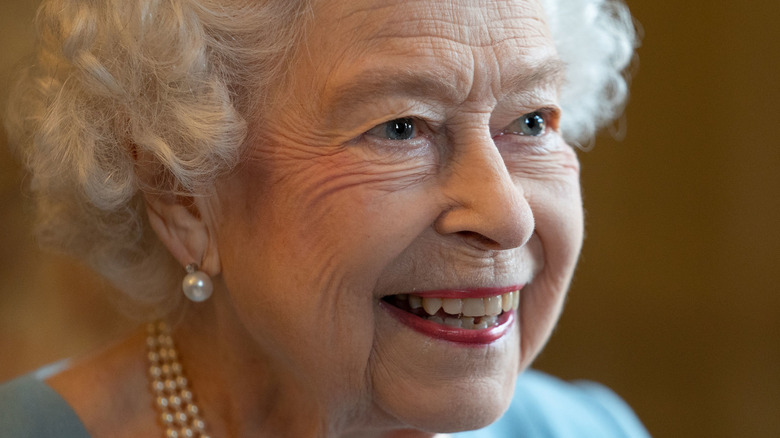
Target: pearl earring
{"points": [[196, 285]]}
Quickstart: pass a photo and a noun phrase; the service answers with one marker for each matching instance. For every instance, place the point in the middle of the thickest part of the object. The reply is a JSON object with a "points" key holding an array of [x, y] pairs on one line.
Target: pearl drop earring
{"points": [[196, 285]]}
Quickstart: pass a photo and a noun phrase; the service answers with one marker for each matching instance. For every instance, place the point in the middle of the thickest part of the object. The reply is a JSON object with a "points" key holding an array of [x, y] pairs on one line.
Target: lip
{"points": [[454, 334]]}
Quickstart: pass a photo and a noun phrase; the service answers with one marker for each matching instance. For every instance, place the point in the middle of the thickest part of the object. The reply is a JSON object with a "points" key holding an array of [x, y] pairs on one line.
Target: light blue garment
{"points": [[546, 407], [29, 408], [543, 407]]}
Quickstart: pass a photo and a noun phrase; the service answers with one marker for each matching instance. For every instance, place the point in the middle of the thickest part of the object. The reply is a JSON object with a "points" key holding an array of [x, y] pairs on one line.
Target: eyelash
{"points": [[404, 123], [546, 117], [418, 144]]}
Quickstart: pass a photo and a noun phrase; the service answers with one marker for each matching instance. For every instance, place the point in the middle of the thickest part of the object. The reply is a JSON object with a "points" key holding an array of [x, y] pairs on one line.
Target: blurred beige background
{"points": [[676, 304]]}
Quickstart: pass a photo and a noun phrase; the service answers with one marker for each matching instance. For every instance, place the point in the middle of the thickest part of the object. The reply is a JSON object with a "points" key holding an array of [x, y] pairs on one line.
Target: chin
{"points": [[440, 387], [456, 408]]}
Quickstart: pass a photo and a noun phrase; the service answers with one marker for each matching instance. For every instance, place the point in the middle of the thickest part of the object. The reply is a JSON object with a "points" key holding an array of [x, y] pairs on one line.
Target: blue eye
{"points": [[531, 124], [397, 129]]}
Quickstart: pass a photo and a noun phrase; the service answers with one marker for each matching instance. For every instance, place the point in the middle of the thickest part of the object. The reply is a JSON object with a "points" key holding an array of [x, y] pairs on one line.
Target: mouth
{"points": [[465, 316]]}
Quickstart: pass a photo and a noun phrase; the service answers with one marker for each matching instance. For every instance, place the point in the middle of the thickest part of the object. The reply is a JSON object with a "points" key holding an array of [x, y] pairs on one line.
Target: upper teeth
{"points": [[475, 307]]}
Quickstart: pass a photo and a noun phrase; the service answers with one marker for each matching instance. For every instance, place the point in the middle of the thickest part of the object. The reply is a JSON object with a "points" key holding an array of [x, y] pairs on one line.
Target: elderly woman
{"points": [[374, 207]]}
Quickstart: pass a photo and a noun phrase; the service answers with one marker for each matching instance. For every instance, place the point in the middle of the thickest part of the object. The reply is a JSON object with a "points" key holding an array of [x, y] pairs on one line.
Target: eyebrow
{"points": [[551, 71], [368, 85]]}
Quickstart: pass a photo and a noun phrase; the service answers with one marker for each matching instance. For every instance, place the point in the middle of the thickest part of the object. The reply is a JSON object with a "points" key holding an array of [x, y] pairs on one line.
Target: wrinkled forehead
{"points": [[447, 37], [476, 23]]}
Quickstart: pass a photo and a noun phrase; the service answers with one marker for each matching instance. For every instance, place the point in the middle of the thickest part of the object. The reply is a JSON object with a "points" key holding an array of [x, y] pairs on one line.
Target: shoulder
{"points": [[30, 408], [547, 407]]}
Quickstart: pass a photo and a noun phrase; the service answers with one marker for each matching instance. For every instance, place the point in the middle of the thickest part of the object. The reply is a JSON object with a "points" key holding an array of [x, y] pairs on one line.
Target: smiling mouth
{"points": [[458, 313]]}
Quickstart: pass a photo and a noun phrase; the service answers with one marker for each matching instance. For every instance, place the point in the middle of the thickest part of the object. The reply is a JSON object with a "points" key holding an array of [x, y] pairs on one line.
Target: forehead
{"points": [[448, 38], [476, 23]]}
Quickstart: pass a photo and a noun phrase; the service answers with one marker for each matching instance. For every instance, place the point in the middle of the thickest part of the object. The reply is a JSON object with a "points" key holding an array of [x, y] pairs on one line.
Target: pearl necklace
{"points": [[173, 400]]}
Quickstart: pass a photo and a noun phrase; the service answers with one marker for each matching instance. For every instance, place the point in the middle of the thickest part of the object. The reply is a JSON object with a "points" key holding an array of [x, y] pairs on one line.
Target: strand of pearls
{"points": [[172, 398]]}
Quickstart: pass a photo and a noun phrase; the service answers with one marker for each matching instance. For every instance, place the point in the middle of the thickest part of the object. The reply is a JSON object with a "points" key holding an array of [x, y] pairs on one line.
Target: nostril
{"points": [[479, 240]]}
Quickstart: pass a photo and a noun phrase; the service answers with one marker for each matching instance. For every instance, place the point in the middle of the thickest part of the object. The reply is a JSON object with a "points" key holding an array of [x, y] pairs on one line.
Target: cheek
{"points": [[557, 208], [295, 290], [327, 212], [551, 185], [558, 215], [341, 214], [302, 255]]}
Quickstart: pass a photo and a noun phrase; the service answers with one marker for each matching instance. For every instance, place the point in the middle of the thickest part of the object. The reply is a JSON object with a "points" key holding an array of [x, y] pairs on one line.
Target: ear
{"points": [[182, 223]]}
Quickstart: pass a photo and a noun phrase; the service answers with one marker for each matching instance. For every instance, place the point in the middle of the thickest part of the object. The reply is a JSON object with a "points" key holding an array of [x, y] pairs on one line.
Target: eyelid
{"points": [[421, 125], [377, 130], [417, 146], [550, 114], [420, 145]]}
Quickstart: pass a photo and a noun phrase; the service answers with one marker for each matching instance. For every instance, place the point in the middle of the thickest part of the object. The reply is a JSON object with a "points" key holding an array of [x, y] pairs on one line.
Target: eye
{"points": [[531, 124], [397, 129]]}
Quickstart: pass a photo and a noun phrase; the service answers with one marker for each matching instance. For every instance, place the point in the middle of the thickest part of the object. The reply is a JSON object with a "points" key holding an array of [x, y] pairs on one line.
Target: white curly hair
{"points": [[178, 80]]}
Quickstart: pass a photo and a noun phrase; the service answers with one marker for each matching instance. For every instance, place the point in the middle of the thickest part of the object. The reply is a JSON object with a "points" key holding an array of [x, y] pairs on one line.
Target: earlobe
{"points": [[182, 225]]}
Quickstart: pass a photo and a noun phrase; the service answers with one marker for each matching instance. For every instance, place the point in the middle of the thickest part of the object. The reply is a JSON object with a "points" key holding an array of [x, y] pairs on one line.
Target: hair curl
{"points": [[596, 40], [177, 80]]}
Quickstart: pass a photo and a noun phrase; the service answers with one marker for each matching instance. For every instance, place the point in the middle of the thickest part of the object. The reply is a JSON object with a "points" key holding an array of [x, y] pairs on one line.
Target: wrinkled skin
{"points": [[326, 215]]}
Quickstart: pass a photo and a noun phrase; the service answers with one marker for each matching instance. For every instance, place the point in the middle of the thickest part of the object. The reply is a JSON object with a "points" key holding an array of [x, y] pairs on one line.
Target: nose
{"points": [[486, 207]]}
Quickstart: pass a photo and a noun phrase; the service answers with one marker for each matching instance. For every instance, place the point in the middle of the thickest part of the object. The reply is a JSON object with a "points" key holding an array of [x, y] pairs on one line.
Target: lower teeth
{"points": [[465, 322]]}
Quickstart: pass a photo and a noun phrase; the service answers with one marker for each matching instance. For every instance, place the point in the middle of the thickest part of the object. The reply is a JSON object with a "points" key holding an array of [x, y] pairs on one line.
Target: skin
{"points": [[325, 216]]}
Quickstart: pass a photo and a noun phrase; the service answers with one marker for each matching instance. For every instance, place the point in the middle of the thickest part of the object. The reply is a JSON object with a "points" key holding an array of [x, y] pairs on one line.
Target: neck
{"points": [[240, 389]]}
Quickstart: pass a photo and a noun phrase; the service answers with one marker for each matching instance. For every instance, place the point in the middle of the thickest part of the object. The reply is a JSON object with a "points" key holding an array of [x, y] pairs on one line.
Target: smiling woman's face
{"points": [[415, 160]]}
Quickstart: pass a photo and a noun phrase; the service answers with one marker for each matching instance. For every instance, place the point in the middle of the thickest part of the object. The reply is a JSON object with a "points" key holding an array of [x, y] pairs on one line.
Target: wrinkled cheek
{"points": [[291, 288], [302, 278], [558, 214], [313, 329], [557, 241]]}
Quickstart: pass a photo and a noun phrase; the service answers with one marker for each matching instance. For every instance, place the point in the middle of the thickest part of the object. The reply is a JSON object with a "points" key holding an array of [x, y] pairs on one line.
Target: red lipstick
{"points": [[431, 325]]}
